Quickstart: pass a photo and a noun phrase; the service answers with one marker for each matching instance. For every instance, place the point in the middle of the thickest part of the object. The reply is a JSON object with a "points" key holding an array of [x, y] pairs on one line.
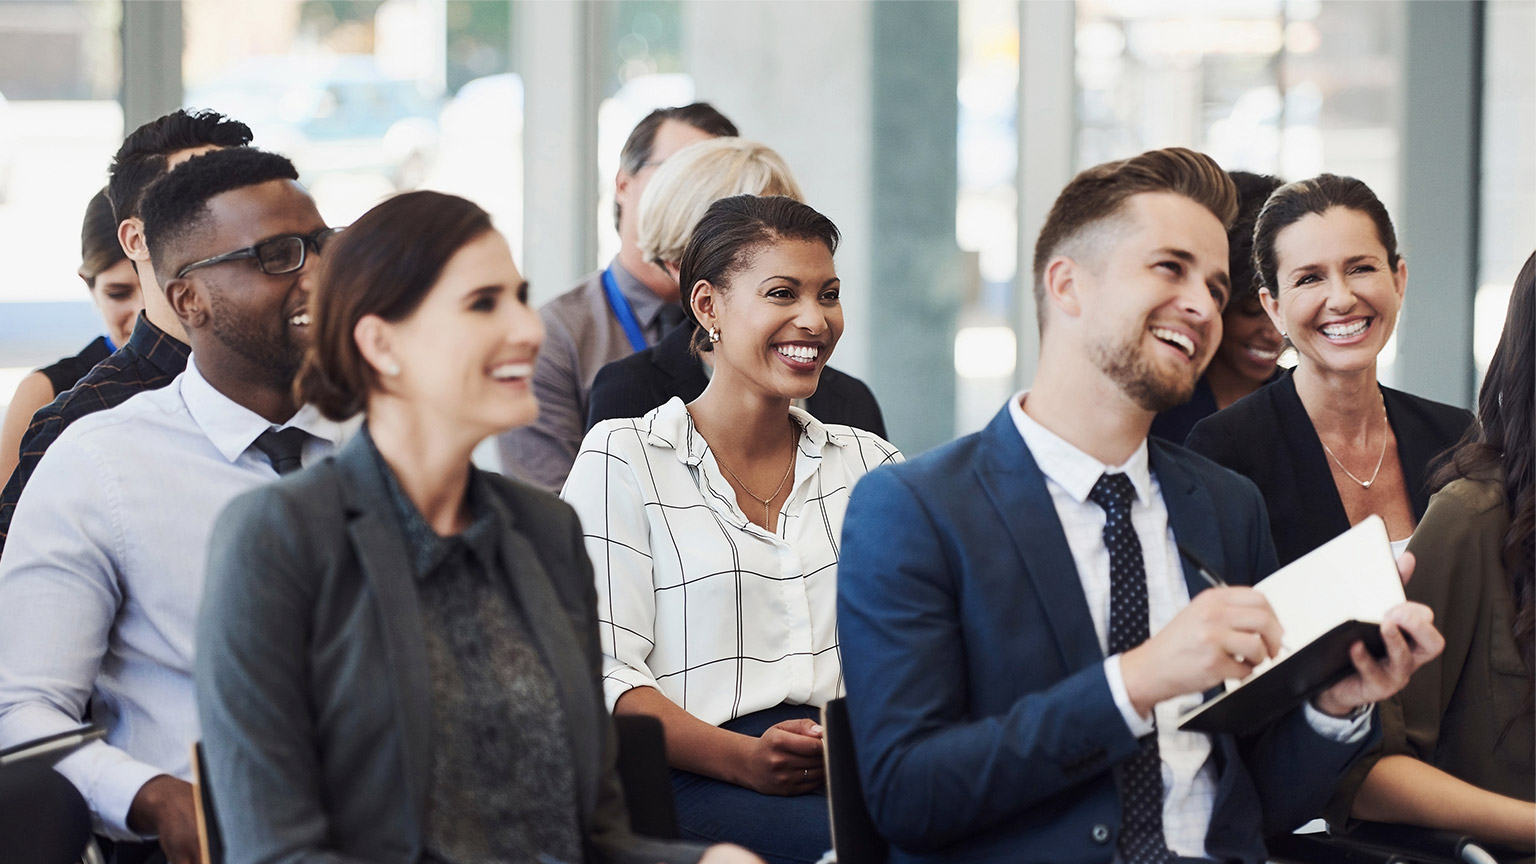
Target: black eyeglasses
{"points": [[275, 257]]}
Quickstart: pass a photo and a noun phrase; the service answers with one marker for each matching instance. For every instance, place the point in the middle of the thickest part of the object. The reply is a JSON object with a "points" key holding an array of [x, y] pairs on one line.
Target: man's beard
{"points": [[1126, 363], [273, 351]]}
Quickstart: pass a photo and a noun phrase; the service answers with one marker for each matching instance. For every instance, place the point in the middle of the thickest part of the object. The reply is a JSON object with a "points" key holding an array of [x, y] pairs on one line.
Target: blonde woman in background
{"points": [[674, 201]]}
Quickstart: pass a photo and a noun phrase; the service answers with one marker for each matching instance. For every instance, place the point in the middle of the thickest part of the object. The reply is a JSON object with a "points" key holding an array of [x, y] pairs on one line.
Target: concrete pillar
{"points": [[152, 44], [1437, 219]]}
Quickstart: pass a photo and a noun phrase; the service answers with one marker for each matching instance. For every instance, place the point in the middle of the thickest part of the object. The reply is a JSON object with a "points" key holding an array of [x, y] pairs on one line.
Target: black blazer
{"points": [[631, 387], [1268, 438], [313, 682]]}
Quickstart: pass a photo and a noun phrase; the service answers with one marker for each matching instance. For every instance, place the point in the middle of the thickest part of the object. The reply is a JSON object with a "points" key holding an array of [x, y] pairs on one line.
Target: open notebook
{"points": [[1327, 600]]}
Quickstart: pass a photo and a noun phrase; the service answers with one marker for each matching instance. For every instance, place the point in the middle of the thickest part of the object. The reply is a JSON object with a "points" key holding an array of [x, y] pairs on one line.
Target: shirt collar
{"points": [[1071, 468], [671, 426], [642, 300], [428, 548], [163, 351], [232, 427]]}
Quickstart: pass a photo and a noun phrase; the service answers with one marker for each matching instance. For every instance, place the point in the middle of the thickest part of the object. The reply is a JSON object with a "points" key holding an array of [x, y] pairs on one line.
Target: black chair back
{"points": [[43, 819], [854, 835], [646, 777]]}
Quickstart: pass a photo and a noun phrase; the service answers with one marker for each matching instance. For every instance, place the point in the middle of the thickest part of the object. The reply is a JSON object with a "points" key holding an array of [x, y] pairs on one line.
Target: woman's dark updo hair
{"points": [[732, 231], [99, 249], [384, 264], [1303, 198]]}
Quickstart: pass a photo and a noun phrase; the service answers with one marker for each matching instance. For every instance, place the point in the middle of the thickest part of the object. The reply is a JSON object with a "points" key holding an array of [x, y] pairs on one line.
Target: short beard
{"points": [[1127, 366], [276, 357]]}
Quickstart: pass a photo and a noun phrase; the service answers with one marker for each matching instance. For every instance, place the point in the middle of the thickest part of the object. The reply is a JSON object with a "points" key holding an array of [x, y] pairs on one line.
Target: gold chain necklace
{"points": [[782, 480], [1364, 484]]}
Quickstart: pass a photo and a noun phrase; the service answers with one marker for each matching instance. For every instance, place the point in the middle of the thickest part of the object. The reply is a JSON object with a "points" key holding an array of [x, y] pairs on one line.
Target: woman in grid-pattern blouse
{"points": [[714, 533]]}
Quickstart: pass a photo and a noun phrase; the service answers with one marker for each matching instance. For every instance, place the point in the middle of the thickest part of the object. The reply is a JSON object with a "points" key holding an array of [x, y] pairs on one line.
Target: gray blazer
{"points": [[313, 680]]}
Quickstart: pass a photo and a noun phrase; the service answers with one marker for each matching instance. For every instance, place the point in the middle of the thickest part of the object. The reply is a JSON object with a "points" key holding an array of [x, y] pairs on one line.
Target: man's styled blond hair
{"points": [[697, 176]]}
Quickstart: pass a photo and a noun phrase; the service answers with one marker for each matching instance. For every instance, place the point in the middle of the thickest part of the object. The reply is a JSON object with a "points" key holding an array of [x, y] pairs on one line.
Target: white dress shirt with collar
{"points": [[1189, 776], [103, 573], [693, 599]]}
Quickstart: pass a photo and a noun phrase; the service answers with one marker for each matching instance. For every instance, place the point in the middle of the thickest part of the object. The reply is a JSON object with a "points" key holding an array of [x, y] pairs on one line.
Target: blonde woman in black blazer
{"points": [[1328, 445], [397, 653]]}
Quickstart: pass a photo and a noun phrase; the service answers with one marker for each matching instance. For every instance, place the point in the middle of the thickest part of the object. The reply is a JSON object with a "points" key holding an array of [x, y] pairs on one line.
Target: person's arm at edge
{"points": [[32, 393], [1400, 788], [931, 777], [610, 832], [59, 597], [541, 454], [251, 671], [44, 429]]}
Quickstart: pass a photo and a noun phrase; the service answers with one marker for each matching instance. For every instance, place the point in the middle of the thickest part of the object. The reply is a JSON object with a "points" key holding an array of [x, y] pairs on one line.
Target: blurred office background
{"points": [[936, 135]]}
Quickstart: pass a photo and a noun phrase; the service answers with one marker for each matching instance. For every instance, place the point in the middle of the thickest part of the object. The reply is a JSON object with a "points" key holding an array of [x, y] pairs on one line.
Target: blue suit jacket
{"points": [[983, 723]]}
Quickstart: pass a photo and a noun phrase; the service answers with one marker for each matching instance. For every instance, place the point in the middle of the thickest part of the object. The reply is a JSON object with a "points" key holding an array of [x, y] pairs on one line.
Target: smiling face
{"points": [[1338, 294], [116, 293], [466, 354], [258, 323], [779, 318], [1250, 344], [1150, 307]]}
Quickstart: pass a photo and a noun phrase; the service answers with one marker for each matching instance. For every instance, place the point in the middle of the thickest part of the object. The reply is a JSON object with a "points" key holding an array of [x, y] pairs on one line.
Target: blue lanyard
{"points": [[623, 311]]}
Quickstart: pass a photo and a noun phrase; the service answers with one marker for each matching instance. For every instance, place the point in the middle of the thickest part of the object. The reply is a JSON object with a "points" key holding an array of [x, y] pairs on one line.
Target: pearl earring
{"points": [[714, 334], [392, 369]]}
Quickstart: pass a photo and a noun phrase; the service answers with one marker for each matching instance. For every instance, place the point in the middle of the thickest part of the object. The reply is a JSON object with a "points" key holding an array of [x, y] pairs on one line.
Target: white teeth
{"points": [[509, 371], [300, 320], [801, 353], [1344, 331], [1261, 354], [1176, 338]]}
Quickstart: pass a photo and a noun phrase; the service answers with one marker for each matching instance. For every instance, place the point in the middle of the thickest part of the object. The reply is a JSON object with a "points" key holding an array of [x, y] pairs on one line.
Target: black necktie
{"points": [[1141, 776], [283, 448], [669, 317]]}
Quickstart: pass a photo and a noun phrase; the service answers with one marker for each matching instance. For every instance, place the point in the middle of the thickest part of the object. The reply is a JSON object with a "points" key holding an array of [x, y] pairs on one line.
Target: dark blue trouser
{"points": [[782, 829]]}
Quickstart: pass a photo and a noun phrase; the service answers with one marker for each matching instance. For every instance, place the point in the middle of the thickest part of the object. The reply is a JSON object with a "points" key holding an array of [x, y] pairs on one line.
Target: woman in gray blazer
{"points": [[397, 653]]}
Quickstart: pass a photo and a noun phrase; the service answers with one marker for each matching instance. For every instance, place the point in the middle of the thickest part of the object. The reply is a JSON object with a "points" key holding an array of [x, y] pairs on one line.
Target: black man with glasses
{"points": [[101, 580]]}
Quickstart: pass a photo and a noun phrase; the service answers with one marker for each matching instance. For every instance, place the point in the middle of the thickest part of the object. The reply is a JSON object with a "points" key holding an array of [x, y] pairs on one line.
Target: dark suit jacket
{"points": [[1268, 438], [984, 725], [312, 674], [631, 387]]}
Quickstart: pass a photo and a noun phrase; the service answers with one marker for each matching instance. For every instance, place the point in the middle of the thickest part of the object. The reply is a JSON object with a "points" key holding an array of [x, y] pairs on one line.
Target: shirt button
{"points": [[1100, 833]]}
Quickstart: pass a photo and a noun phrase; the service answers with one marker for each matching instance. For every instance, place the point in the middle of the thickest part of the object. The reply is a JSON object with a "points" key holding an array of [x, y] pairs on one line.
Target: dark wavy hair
{"points": [[1503, 440], [1252, 191], [384, 264], [142, 158], [729, 234]]}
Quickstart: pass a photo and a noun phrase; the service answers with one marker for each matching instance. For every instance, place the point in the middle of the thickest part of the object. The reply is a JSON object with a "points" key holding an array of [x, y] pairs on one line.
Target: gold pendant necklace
{"points": [[1364, 484], [782, 480]]}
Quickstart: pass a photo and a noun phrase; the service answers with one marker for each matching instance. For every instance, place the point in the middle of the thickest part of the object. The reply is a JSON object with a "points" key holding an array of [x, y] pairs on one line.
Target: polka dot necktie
{"points": [[283, 448], [1141, 776]]}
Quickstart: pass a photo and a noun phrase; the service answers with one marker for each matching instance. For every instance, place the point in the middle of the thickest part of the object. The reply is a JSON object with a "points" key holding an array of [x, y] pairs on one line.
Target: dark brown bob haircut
{"points": [[1098, 194], [384, 264], [1293, 201]]}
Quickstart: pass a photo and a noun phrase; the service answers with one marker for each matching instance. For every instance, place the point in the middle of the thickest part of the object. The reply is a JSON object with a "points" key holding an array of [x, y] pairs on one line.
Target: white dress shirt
{"points": [[1189, 776], [103, 573], [717, 613]]}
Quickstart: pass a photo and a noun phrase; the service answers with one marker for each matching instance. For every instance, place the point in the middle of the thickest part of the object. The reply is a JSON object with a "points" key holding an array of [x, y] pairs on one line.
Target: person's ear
{"points": [[1272, 308], [375, 341], [1400, 278], [1063, 285], [130, 235], [188, 300], [704, 299]]}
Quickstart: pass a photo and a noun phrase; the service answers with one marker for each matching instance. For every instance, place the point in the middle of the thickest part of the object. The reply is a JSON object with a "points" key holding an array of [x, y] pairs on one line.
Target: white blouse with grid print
{"points": [[693, 599]]}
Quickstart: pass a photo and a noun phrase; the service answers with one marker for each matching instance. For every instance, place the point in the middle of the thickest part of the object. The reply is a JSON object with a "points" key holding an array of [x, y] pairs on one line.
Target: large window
{"points": [[60, 123], [367, 97]]}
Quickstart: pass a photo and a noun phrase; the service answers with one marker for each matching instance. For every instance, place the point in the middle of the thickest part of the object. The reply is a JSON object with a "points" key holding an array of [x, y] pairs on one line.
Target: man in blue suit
{"points": [[1019, 628]]}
